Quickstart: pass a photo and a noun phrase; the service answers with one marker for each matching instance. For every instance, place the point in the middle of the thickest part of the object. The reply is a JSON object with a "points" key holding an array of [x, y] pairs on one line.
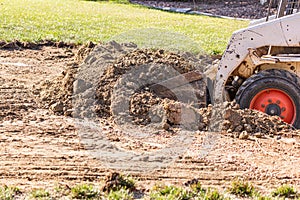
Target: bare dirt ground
{"points": [[246, 9], [39, 148]]}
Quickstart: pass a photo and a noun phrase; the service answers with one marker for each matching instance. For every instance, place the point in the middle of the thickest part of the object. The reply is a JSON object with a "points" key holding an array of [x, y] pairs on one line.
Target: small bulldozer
{"points": [[260, 68]]}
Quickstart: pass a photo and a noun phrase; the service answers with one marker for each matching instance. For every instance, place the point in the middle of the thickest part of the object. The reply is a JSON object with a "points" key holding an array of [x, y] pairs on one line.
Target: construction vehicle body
{"points": [[260, 68]]}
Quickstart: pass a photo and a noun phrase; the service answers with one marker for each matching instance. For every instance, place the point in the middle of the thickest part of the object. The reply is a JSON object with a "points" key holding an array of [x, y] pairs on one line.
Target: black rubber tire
{"points": [[268, 79]]}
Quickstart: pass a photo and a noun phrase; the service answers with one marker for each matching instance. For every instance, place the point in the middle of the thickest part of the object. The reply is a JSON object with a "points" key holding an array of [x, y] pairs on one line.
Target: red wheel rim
{"points": [[275, 102]]}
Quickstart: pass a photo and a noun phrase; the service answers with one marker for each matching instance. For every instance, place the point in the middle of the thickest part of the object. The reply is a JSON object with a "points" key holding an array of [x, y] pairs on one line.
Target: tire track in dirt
{"points": [[37, 147]]}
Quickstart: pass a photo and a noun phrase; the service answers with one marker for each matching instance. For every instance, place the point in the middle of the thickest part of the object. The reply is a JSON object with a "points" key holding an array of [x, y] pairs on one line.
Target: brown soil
{"points": [[40, 148], [132, 60], [247, 9]]}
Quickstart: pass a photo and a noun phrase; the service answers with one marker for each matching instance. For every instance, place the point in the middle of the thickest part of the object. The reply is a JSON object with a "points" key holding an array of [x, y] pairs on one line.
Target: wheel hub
{"points": [[275, 102], [273, 109]]}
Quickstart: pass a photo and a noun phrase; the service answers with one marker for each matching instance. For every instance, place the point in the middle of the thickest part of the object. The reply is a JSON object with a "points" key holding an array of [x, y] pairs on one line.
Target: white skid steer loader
{"points": [[260, 68]]}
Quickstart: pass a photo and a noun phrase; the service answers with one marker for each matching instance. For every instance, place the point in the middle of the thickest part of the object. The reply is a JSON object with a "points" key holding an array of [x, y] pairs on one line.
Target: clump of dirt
{"points": [[229, 118], [140, 105], [56, 94], [32, 45], [115, 181], [182, 115], [84, 51]]}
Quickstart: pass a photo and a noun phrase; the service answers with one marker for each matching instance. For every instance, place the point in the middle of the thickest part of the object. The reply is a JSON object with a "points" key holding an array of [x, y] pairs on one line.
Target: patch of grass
{"points": [[115, 1], [197, 188], [264, 198], [194, 191], [40, 194], [169, 193], [82, 21], [242, 189], [285, 191], [122, 194], [126, 182], [62, 190], [205, 194], [212, 195], [8, 193], [84, 191]]}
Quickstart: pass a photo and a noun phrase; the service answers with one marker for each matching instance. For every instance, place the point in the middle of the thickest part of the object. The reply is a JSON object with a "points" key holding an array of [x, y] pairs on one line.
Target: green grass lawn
{"points": [[83, 21]]}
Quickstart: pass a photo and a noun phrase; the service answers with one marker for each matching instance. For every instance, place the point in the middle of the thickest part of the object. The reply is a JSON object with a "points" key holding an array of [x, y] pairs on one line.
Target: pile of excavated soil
{"points": [[251, 122], [85, 101], [115, 181], [71, 92], [113, 82], [142, 67], [56, 94], [226, 118], [82, 90], [231, 120]]}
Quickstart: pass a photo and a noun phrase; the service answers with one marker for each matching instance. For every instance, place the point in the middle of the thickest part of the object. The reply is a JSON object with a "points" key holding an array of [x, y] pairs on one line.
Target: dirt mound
{"points": [[114, 79], [79, 92], [251, 122], [226, 118], [95, 64], [140, 58], [57, 93], [231, 120], [71, 90]]}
